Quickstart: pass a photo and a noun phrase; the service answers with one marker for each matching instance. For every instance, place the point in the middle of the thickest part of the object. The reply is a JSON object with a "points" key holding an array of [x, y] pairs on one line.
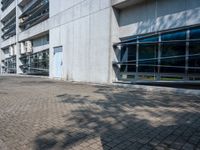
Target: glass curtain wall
{"points": [[166, 56], [10, 65], [37, 63]]}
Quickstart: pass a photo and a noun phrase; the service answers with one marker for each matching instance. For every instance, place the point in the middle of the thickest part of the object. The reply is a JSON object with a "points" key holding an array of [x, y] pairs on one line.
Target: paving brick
{"points": [[188, 146], [39, 114]]}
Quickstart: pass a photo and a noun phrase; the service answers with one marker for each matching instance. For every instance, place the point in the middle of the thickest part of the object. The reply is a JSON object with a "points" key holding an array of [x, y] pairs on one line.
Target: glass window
{"points": [[148, 58], [195, 33], [123, 59], [181, 35], [132, 58], [194, 57], [173, 57], [128, 59], [149, 39]]}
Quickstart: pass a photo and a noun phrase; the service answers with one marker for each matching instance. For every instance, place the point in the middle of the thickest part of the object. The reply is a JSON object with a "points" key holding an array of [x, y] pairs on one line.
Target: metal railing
{"points": [[6, 4]]}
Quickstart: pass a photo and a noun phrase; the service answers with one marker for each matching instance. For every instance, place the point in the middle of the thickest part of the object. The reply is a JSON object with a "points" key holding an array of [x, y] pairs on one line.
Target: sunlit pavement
{"points": [[42, 114]]}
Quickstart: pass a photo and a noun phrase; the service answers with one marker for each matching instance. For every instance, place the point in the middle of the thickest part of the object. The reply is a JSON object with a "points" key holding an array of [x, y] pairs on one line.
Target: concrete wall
{"points": [[35, 30], [155, 15], [82, 27]]}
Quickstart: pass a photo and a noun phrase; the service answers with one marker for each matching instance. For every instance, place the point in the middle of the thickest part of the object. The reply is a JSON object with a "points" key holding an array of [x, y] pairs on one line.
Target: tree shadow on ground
{"points": [[126, 119]]}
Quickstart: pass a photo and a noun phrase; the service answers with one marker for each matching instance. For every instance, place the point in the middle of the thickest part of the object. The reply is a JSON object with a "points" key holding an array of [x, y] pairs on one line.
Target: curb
{"points": [[149, 88]]}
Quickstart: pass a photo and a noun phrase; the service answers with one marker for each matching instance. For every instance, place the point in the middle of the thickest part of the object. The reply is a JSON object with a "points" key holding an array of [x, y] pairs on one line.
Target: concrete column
{"points": [[18, 62], [1, 55]]}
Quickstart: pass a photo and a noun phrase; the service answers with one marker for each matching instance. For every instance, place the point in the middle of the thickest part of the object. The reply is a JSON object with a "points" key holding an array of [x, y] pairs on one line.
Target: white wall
{"points": [[83, 29]]}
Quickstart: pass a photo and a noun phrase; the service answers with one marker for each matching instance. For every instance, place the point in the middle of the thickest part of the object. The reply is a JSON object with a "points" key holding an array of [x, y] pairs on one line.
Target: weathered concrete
{"points": [[125, 3], [35, 30], [155, 15], [41, 114], [83, 29]]}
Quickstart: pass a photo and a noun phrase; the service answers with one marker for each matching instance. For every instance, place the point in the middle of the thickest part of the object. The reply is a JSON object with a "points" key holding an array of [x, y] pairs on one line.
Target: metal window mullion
{"points": [[137, 60], [159, 57], [126, 57], [187, 55], [29, 63]]}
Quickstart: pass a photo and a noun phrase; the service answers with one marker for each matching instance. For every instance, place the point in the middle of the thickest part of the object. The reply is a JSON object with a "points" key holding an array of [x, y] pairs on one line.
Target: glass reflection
{"points": [[175, 57]]}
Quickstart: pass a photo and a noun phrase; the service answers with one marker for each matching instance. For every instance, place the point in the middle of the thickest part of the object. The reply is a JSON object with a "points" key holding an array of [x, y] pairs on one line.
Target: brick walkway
{"points": [[40, 114]]}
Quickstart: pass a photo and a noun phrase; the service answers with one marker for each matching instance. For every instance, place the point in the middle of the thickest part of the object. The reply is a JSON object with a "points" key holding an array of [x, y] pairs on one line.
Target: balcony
{"points": [[6, 4], [9, 25], [33, 13]]}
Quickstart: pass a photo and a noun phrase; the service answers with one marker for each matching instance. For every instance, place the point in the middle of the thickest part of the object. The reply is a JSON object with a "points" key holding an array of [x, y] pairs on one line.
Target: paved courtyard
{"points": [[42, 114]]}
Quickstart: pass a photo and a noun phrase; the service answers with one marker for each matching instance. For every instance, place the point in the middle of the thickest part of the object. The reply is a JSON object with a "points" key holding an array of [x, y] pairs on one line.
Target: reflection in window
{"points": [[132, 58], [173, 57], [147, 58], [123, 59], [128, 61], [176, 56], [195, 33], [36, 63], [194, 57], [181, 35], [149, 39]]}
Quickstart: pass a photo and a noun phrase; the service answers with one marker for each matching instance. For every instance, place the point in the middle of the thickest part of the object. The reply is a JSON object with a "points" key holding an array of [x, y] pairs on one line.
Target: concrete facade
{"points": [[87, 29], [83, 30], [151, 16]]}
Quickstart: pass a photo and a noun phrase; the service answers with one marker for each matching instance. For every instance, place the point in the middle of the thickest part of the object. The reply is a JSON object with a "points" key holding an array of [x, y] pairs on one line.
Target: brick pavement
{"points": [[41, 114]]}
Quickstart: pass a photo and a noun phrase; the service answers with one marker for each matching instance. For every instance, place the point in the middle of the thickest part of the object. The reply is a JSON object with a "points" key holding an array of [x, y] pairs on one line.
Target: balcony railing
{"points": [[6, 4], [36, 13]]}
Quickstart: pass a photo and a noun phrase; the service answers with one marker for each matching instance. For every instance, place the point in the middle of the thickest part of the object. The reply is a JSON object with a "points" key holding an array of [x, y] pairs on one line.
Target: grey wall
{"points": [[82, 27], [156, 15]]}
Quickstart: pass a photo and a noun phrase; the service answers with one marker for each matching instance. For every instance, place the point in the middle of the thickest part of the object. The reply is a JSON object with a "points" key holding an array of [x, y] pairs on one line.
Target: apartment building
{"points": [[24, 44], [102, 41]]}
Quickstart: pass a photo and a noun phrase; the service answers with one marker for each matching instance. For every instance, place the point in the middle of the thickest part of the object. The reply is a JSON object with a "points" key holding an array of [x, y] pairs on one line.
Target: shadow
{"points": [[38, 82], [50, 139], [3, 93], [125, 119], [192, 86]]}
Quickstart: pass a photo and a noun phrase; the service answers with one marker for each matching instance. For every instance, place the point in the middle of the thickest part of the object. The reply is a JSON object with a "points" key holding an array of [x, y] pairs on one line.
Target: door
{"points": [[58, 62]]}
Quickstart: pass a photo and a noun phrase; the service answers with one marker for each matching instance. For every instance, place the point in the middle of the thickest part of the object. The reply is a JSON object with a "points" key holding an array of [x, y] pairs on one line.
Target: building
{"points": [[102, 41]]}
